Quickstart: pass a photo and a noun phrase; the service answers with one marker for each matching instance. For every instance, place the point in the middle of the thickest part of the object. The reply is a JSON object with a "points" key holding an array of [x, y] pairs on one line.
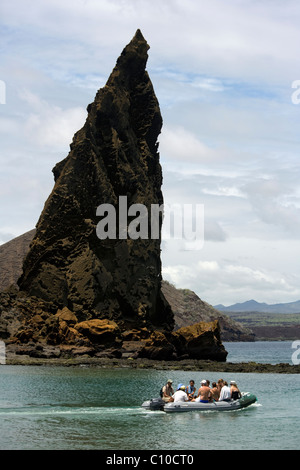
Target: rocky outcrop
{"points": [[159, 346], [189, 309], [104, 332], [39, 326], [85, 294], [199, 341], [114, 155], [202, 341]]}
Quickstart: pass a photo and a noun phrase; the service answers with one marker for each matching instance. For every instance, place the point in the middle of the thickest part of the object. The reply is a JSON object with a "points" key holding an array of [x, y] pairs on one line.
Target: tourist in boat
{"points": [[220, 385], [235, 392], [191, 390], [225, 394], [215, 392], [180, 394], [204, 393], [168, 391]]}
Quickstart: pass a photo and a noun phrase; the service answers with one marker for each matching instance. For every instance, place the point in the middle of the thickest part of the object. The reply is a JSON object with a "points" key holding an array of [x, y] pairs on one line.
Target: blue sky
{"points": [[222, 72]]}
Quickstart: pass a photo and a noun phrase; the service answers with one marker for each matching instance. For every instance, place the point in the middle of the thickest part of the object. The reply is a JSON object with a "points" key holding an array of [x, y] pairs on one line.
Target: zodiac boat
{"points": [[175, 407]]}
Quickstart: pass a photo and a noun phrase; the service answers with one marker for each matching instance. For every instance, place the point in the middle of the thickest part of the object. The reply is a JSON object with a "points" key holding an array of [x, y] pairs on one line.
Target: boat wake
{"points": [[53, 410]]}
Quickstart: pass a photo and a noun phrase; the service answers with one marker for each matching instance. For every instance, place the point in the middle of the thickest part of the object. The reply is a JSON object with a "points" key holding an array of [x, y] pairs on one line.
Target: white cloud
{"points": [[276, 203], [180, 144], [246, 269], [50, 125], [208, 265]]}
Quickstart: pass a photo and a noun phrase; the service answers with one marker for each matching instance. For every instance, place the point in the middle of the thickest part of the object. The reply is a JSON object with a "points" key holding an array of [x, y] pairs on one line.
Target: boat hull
{"points": [[181, 407]]}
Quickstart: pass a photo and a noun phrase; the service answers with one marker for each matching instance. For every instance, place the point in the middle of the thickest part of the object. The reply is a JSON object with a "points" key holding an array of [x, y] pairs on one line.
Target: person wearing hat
{"points": [[168, 391], [204, 393], [235, 392], [180, 394]]}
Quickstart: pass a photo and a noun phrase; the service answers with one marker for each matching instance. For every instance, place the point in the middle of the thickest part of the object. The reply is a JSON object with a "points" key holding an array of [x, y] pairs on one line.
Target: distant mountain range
{"points": [[253, 306]]}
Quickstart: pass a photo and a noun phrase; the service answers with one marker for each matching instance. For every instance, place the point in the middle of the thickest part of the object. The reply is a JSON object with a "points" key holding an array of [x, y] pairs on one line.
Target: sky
{"points": [[223, 73]]}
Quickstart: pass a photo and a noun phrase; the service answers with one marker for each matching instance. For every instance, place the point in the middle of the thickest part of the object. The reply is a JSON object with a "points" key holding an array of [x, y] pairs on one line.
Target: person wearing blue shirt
{"points": [[191, 389]]}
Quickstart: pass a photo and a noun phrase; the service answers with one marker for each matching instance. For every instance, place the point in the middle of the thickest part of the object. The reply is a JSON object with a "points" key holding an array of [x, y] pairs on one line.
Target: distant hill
{"points": [[12, 254], [188, 309], [269, 326], [253, 306]]}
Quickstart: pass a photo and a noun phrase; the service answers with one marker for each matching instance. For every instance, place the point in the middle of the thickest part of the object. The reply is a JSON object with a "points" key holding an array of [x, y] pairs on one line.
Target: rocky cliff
{"points": [[187, 307], [101, 295], [114, 155]]}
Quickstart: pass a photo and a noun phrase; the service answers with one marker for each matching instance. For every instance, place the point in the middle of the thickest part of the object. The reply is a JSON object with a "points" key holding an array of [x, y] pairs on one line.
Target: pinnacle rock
{"points": [[115, 154]]}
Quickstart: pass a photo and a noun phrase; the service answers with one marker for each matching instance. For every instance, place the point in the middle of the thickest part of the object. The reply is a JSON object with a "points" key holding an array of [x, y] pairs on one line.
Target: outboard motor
{"points": [[154, 404]]}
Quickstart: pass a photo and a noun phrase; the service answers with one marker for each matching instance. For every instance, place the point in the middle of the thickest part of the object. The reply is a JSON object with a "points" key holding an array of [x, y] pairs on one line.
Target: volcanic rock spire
{"points": [[114, 154]]}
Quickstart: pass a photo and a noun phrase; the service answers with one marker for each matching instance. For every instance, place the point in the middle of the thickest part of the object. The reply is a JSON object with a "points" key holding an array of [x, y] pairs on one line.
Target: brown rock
{"points": [[37, 320], [135, 335], [67, 333], [132, 348], [158, 347], [74, 351], [102, 332], [109, 353], [66, 315], [50, 331], [201, 341], [24, 335]]}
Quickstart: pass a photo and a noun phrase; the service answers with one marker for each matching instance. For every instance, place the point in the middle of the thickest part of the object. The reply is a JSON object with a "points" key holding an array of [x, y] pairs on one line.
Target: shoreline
{"points": [[189, 364]]}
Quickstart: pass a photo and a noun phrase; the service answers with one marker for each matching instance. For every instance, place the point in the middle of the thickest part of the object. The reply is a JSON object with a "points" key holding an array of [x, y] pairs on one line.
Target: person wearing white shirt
{"points": [[180, 394], [225, 394]]}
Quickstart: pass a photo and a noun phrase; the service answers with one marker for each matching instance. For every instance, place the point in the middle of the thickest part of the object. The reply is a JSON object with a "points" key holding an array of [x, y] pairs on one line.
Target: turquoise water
{"points": [[70, 408]]}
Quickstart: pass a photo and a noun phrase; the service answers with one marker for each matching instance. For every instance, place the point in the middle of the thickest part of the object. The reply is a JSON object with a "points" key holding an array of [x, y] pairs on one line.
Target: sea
{"points": [[89, 408]]}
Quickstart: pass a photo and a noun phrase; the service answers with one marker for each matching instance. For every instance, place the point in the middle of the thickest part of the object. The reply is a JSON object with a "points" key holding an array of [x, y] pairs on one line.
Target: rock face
{"points": [[189, 309], [199, 341], [12, 255], [36, 328], [85, 294], [114, 154], [202, 340]]}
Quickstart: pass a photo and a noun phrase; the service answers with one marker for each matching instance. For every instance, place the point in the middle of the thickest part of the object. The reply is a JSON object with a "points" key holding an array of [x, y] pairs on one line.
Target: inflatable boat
{"points": [[175, 407]]}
